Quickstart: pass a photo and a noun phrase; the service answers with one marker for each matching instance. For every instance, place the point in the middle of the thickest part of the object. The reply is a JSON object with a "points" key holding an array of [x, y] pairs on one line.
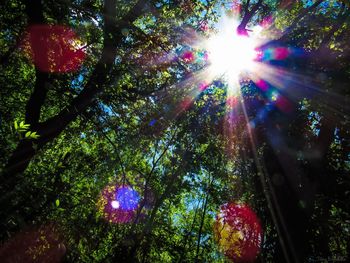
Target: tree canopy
{"points": [[174, 131]]}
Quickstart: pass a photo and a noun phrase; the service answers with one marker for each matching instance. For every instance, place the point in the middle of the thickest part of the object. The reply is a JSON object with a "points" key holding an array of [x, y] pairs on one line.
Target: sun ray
{"points": [[267, 187], [296, 86]]}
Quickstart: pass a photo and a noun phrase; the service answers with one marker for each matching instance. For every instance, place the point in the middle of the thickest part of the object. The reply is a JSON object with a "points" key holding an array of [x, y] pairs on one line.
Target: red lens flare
{"points": [[185, 104], [54, 49], [238, 232], [284, 104]]}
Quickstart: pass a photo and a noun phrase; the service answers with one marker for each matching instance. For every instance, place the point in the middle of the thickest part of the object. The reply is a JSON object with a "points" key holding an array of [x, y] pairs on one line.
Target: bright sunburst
{"points": [[231, 54]]}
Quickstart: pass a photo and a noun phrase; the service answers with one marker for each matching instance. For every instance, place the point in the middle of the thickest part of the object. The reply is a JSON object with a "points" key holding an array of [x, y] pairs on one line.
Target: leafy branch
{"points": [[23, 131]]}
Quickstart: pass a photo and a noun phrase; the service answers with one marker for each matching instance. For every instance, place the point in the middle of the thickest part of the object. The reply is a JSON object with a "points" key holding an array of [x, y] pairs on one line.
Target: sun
{"points": [[231, 54]]}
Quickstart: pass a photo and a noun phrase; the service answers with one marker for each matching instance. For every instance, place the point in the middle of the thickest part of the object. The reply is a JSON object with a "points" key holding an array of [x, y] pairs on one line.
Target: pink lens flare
{"points": [[267, 22], [262, 85], [281, 53], [204, 26], [232, 102], [188, 56], [203, 86], [276, 53]]}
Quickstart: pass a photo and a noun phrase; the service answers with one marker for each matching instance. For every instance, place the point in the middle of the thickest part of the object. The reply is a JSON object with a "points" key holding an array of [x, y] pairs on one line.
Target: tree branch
{"points": [[34, 11], [241, 29], [299, 18], [51, 128]]}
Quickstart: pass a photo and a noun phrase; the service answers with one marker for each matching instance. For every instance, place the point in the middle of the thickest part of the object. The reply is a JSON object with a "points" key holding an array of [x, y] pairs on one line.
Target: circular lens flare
{"points": [[238, 232], [54, 48], [118, 204]]}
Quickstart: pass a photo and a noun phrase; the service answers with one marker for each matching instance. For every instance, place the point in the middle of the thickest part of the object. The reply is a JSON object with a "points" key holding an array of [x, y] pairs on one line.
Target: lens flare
{"points": [[118, 204], [231, 102], [261, 84], [115, 204], [188, 56], [238, 232], [54, 48], [203, 86], [127, 198]]}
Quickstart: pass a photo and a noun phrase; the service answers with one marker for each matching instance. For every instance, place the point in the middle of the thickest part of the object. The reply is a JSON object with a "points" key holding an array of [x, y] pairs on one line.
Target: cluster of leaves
{"points": [[22, 128]]}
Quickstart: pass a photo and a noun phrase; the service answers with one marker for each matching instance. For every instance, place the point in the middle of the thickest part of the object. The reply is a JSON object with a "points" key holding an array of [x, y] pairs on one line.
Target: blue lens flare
{"points": [[128, 198]]}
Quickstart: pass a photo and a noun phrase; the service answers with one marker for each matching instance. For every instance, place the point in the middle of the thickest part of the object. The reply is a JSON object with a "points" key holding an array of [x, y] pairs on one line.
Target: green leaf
{"points": [[57, 202], [21, 127], [27, 135], [34, 135]]}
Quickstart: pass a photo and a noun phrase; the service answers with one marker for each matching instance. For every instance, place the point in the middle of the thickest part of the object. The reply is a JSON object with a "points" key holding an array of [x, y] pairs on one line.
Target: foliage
{"points": [[138, 112]]}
